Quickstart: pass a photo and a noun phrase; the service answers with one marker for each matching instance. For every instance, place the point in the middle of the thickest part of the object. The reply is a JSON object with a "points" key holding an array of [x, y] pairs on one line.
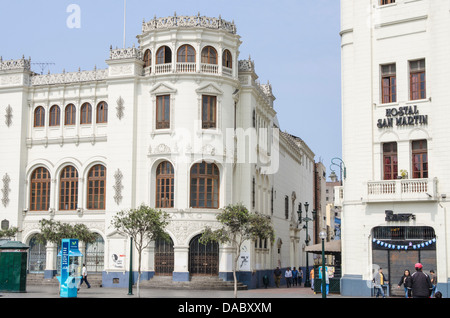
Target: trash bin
{"points": [[13, 267]]}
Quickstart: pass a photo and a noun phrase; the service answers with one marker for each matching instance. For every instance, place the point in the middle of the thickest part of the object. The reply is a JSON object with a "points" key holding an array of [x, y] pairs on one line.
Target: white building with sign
{"points": [[395, 140], [179, 123]]}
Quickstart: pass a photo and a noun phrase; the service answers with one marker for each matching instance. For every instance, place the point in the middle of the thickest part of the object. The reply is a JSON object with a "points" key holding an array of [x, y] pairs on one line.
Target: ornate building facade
{"points": [[395, 141], [178, 123]]}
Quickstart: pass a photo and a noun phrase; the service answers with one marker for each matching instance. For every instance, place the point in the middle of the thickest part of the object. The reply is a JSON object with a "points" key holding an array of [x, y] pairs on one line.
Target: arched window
{"points": [[227, 59], [205, 186], [96, 188], [40, 190], [86, 114], [55, 115], [164, 55], [68, 189], [186, 54], [147, 58], [102, 112], [39, 117], [69, 115], [165, 185], [209, 55]]}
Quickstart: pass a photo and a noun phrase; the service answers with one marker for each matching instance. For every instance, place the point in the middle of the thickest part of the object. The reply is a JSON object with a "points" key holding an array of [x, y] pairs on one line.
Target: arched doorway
{"points": [[397, 248], [95, 255], [164, 257], [203, 259], [36, 256]]}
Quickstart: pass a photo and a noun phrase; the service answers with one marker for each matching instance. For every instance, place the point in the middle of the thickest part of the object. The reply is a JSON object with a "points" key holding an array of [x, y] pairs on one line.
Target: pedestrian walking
{"points": [[405, 280], [312, 278], [277, 275], [294, 277], [300, 277], [288, 277], [379, 282], [84, 277], [433, 279], [421, 286]]}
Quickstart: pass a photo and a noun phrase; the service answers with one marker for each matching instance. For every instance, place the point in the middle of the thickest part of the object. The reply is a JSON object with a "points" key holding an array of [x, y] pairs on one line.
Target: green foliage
{"points": [[239, 225], [143, 224], [9, 232], [51, 231]]}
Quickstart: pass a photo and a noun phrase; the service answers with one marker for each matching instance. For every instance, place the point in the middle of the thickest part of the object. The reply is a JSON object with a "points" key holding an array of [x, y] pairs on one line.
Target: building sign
{"points": [[402, 116], [390, 216]]}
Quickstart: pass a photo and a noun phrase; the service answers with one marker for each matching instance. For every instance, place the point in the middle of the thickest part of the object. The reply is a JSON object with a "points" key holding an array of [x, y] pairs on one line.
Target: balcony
{"points": [[402, 190]]}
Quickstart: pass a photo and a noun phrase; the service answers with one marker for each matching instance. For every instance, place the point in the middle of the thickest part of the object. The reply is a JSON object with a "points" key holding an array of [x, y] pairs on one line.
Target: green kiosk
{"points": [[13, 267]]}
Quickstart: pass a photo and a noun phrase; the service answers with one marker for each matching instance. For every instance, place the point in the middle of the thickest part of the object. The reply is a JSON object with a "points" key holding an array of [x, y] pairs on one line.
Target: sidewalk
{"points": [[35, 291]]}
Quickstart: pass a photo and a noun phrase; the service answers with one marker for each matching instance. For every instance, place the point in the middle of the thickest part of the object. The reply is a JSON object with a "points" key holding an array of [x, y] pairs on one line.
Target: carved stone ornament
{"points": [[8, 116], [5, 190], [118, 176], [120, 108]]}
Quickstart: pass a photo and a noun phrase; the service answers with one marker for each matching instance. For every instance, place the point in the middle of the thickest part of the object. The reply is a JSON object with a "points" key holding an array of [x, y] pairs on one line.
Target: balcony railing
{"points": [[187, 68], [402, 190]]}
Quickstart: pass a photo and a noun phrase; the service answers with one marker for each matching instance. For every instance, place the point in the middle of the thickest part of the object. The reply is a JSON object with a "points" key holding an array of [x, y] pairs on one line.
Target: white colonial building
{"points": [[178, 123], [395, 97]]}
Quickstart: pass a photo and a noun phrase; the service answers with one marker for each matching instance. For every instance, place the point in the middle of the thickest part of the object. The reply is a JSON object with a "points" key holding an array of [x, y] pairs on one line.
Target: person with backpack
{"points": [[421, 286]]}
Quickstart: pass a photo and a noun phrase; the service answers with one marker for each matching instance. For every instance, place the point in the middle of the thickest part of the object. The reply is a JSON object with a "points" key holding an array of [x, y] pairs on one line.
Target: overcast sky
{"points": [[295, 45]]}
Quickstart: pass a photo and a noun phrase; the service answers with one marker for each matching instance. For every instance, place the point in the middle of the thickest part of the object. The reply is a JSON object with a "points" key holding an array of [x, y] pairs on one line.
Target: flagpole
{"points": [[124, 21]]}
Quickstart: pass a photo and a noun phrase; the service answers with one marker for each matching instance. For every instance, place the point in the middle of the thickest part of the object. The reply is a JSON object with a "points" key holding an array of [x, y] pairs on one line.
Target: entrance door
{"points": [[95, 255], [399, 261], [37, 256], [164, 257], [203, 259]]}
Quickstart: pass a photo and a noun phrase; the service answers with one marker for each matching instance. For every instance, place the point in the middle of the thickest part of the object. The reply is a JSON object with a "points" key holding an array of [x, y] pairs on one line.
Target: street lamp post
{"points": [[323, 236], [130, 274], [300, 220]]}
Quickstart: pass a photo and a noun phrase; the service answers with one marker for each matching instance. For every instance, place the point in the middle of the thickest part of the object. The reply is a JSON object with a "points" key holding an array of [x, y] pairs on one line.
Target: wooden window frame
{"points": [[40, 184], [54, 116], [227, 59], [209, 55], [419, 158], [39, 117], [388, 84], [165, 185], [164, 55], [207, 180], [390, 161], [186, 54], [70, 114], [96, 188], [163, 123], [209, 115], [417, 79], [147, 58], [68, 189], [286, 207], [86, 114], [102, 113]]}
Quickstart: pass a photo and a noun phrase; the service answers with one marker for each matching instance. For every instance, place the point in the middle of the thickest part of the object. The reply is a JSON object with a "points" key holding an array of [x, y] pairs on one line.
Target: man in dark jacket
{"points": [[420, 283]]}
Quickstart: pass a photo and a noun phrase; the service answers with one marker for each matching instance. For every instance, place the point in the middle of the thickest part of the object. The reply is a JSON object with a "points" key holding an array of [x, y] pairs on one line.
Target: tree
{"points": [[8, 233], [238, 226], [143, 225], [51, 231]]}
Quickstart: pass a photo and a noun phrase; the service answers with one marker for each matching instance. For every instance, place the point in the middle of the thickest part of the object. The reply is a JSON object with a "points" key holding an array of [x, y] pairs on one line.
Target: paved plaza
{"points": [[36, 291]]}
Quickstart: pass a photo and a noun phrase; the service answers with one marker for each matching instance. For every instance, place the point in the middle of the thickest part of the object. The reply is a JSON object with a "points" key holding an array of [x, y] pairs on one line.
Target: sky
{"points": [[295, 45]]}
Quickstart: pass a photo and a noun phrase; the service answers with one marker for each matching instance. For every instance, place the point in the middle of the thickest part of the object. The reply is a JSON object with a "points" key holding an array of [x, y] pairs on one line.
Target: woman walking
{"points": [[406, 282]]}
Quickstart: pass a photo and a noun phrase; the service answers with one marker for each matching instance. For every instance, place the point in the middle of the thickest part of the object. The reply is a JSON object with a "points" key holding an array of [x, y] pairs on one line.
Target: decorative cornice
{"points": [[73, 77], [126, 53], [21, 64], [188, 22]]}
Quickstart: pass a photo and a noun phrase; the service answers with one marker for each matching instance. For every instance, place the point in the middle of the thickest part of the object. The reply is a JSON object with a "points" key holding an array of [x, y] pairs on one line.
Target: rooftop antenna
{"points": [[43, 65], [124, 20]]}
